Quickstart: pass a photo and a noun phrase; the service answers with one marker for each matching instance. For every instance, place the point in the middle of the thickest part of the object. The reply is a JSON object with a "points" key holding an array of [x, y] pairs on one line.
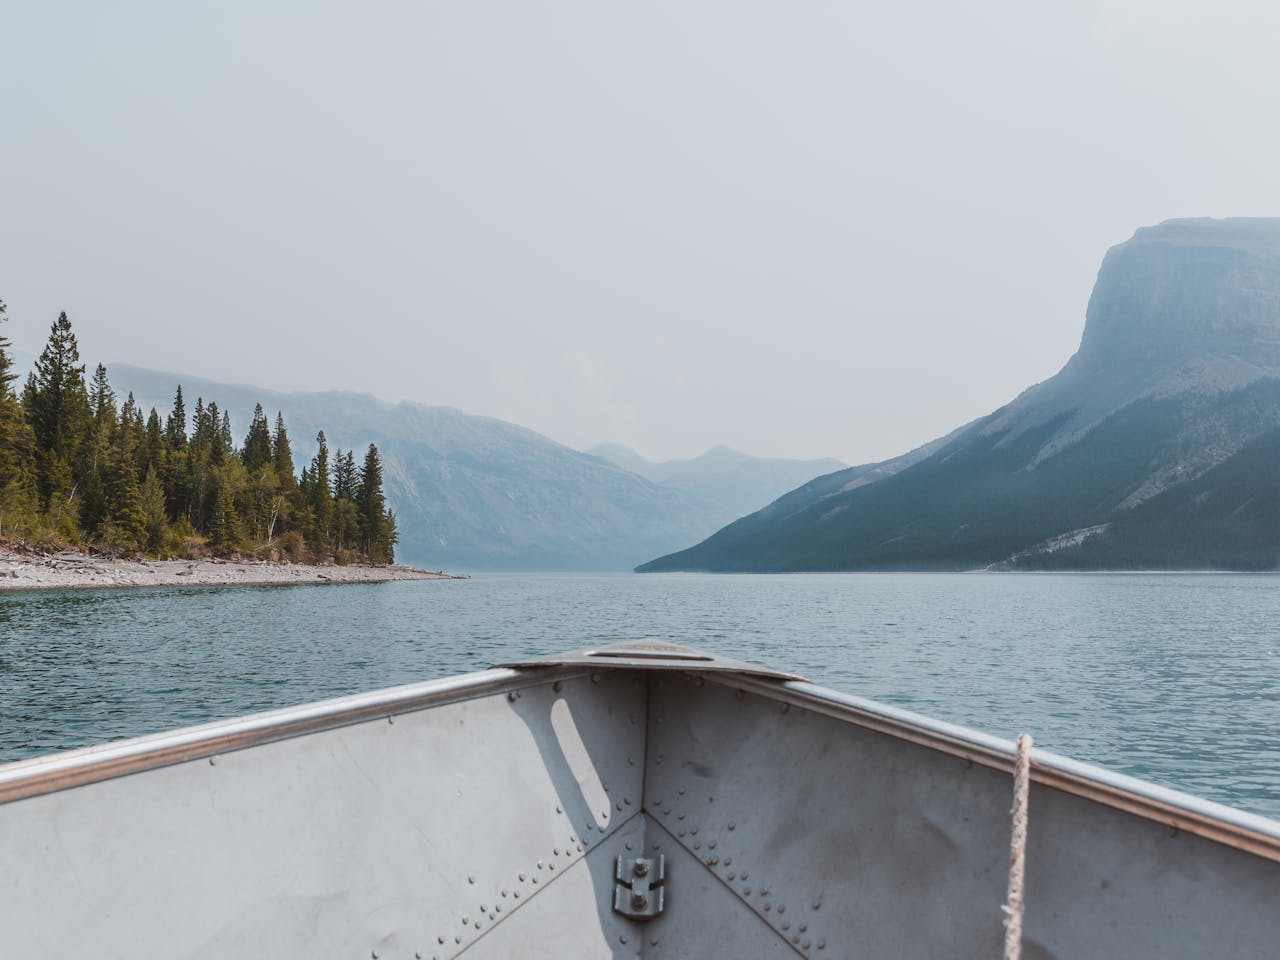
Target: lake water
{"points": [[1172, 678]]}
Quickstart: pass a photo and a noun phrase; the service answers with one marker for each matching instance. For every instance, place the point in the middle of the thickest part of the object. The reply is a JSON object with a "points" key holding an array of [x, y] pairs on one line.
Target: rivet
{"points": [[740, 694], [439, 939], [699, 681], [622, 938], [782, 908], [497, 908], [666, 811], [747, 890], [535, 879], [659, 760], [822, 944], [786, 924], [504, 893], [805, 945], [595, 678], [627, 801], [557, 686], [697, 845], [516, 894], [766, 892], [374, 954], [618, 806], [521, 878], [630, 762], [711, 845], [466, 919], [511, 696], [728, 860], [795, 938], [417, 955], [471, 879], [767, 906], [551, 866], [556, 851], [391, 719], [491, 916], [653, 942], [483, 908], [660, 719], [627, 846], [714, 861], [681, 791], [477, 924], [539, 864], [457, 939], [732, 875], [803, 927], [744, 874], [732, 825], [558, 809], [679, 816], [786, 708], [694, 831], [817, 904], [682, 832], [213, 761]]}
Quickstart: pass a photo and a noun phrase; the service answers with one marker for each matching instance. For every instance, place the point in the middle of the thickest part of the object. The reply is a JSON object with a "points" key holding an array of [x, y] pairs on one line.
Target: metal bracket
{"points": [[639, 891]]}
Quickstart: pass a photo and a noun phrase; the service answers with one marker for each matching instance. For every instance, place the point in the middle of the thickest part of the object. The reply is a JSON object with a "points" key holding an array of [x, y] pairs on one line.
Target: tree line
{"points": [[78, 467]]}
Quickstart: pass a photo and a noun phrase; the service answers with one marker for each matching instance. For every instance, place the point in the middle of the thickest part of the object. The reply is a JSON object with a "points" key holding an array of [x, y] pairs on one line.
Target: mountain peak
{"points": [[1185, 290]]}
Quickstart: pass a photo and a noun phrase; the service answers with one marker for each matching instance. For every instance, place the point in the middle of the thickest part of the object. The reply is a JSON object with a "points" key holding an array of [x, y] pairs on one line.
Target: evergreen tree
{"points": [[102, 399], [155, 516], [377, 524], [320, 499], [56, 404], [282, 454], [19, 506], [257, 452], [153, 450], [224, 530], [175, 428]]}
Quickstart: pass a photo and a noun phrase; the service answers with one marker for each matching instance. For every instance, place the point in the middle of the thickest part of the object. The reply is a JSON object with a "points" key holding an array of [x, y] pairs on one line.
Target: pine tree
{"points": [[257, 451], [282, 454], [102, 399], [320, 499], [155, 517], [377, 524], [19, 505], [56, 404], [224, 530], [175, 427]]}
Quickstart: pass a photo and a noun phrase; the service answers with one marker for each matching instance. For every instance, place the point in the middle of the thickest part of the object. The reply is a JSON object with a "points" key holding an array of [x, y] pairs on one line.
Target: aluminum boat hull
{"points": [[484, 816]]}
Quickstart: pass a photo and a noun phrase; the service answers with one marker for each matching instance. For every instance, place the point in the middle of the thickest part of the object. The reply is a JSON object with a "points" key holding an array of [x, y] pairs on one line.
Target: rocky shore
{"points": [[73, 570]]}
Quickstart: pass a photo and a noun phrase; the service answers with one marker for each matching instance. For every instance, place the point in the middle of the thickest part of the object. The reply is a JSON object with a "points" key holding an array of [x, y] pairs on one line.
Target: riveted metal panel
{"points": [[396, 836], [703, 917], [573, 917], [882, 847]]}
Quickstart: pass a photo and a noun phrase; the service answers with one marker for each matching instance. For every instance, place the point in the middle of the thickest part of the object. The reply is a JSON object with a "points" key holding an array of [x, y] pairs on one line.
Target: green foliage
{"points": [[76, 468]]}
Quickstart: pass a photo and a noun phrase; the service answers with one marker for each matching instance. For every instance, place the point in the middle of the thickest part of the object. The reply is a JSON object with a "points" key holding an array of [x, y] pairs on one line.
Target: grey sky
{"points": [[799, 228]]}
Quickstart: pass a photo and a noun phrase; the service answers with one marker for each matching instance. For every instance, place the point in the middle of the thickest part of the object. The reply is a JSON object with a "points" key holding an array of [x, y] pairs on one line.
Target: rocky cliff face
{"points": [[1177, 381]]}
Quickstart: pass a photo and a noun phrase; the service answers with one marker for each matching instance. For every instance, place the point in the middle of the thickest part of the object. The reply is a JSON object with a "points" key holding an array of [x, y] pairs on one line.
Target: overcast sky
{"points": [[798, 228]]}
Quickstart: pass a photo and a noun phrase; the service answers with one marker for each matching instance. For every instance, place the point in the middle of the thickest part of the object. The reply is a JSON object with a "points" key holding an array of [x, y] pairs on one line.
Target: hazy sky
{"points": [[798, 228]]}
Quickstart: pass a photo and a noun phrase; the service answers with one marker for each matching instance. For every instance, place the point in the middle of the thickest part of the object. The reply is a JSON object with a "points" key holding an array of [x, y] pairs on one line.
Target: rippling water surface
{"points": [[1173, 678]]}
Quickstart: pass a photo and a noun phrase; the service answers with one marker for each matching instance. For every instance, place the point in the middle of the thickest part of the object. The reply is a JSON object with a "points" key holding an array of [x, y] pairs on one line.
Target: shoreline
{"points": [[65, 571]]}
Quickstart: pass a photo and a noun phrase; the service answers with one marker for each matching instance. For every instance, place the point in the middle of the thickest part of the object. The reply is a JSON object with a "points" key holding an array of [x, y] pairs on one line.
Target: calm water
{"points": [[1171, 678]]}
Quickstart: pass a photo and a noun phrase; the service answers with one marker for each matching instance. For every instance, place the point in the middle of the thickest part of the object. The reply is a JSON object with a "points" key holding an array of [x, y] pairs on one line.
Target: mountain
{"points": [[725, 483], [469, 493], [1156, 446]]}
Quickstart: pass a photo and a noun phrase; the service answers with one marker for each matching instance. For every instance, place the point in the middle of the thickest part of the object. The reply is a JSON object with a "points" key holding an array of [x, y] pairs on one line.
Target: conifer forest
{"points": [[81, 468]]}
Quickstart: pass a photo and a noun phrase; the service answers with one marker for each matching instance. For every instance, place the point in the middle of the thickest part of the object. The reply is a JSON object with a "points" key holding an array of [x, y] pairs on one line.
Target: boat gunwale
{"points": [[64, 770], [1250, 832]]}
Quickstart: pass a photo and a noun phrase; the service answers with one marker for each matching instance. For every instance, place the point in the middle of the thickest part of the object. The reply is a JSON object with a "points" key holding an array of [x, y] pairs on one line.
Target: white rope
{"points": [[1017, 850]]}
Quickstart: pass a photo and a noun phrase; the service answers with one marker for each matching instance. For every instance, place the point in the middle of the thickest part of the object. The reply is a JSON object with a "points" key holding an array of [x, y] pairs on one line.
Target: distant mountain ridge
{"points": [[726, 483], [476, 493], [1155, 446]]}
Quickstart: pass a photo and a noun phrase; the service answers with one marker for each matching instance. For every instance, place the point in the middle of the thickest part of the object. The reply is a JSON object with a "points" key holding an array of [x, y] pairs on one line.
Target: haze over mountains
{"points": [[474, 493], [1156, 446]]}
